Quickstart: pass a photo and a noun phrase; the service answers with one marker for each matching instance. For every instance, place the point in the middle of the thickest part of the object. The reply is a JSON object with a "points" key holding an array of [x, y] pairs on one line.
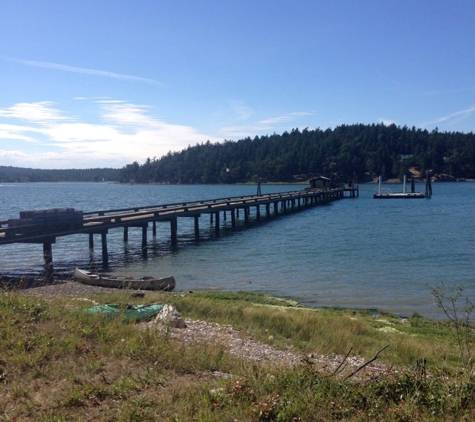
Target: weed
{"points": [[460, 317]]}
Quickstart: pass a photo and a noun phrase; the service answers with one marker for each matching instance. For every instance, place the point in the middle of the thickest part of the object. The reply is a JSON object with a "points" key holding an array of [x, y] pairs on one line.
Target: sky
{"points": [[104, 83]]}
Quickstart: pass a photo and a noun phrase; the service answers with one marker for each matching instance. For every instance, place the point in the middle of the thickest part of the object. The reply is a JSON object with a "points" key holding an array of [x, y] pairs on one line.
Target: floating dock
{"points": [[401, 195]]}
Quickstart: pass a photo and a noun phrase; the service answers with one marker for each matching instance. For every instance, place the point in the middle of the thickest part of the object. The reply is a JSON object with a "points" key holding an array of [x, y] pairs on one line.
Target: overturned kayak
{"points": [[107, 280], [129, 312]]}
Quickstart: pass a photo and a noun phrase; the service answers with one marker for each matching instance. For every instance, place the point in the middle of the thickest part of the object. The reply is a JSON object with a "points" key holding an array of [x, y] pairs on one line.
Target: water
{"points": [[383, 254]]}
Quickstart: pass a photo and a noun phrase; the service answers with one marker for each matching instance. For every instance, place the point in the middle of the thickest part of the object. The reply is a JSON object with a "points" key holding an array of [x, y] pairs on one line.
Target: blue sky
{"points": [[104, 83]]}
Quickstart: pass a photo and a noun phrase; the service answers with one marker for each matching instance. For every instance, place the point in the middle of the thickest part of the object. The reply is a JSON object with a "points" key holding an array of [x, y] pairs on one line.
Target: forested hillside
{"points": [[18, 174], [364, 151]]}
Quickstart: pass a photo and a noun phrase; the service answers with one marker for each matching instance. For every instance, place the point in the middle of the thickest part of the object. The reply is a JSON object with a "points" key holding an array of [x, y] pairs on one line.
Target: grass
{"points": [[58, 363]]}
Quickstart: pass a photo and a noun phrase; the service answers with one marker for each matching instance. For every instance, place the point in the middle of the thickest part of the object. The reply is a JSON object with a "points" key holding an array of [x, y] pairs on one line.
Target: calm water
{"points": [[359, 252]]}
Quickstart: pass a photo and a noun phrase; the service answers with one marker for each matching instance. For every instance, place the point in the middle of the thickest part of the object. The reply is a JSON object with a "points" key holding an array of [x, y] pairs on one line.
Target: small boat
{"points": [[107, 280]]}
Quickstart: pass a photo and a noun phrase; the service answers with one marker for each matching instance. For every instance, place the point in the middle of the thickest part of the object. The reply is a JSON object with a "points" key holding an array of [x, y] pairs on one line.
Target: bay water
{"points": [[355, 252]]}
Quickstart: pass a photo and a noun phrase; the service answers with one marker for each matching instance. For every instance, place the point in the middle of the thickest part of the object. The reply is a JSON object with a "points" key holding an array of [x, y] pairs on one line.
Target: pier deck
{"points": [[43, 227]]}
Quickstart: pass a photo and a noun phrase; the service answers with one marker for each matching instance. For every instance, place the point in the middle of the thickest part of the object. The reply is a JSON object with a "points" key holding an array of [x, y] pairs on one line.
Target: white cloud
{"points": [[36, 112], [8, 154], [123, 133], [387, 122]]}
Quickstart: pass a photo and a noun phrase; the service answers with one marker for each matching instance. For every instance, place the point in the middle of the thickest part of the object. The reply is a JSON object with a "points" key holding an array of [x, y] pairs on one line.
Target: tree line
{"points": [[10, 174], [345, 152]]}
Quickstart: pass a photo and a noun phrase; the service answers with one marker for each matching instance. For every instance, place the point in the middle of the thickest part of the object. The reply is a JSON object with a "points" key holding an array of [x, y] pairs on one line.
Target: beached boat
{"points": [[107, 280]]}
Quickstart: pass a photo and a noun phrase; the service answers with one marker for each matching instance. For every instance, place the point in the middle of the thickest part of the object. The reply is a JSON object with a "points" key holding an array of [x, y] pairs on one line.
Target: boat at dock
{"points": [[118, 282]]}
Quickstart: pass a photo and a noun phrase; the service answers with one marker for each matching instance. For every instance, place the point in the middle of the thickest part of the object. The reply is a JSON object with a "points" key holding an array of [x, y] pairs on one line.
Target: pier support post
{"points": [[233, 219], [154, 229], [105, 255], [91, 241], [197, 227], [126, 234], [174, 230], [144, 239], [216, 225], [246, 215], [258, 213], [48, 258]]}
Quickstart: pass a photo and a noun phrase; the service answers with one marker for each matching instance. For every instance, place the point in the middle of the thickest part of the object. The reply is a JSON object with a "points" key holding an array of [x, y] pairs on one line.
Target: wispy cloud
{"points": [[240, 109], [94, 72], [40, 135], [272, 124], [452, 117], [284, 118]]}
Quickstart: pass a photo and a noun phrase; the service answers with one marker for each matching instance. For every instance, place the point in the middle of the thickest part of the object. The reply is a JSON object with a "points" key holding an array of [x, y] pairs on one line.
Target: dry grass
{"points": [[60, 364]]}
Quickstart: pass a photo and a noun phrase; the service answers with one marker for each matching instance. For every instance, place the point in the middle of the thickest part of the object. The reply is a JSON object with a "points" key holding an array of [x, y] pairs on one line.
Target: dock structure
{"points": [[404, 194], [44, 226]]}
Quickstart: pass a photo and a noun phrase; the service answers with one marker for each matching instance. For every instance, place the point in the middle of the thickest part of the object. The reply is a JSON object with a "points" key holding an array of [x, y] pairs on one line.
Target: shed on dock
{"points": [[320, 182]]}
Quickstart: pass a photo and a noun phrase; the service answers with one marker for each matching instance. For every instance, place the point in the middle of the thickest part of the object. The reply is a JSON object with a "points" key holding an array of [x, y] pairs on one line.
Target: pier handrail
{"points": [[244, 198], [184, 204]]}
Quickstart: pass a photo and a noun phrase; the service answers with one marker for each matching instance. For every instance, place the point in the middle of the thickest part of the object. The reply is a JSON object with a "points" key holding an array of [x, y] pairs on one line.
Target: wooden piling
{"points": [[48, 257], [197, 227], [105, 255], [216, 224], [174, 230]]}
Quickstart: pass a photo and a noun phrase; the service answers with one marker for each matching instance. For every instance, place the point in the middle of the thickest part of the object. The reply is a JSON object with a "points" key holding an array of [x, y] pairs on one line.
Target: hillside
{"points": [[364, 151], [18, 174]]}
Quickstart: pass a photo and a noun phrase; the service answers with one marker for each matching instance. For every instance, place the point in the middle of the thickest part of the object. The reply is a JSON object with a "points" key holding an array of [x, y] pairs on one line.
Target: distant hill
{"points": [[19, 174], [364, 151]]}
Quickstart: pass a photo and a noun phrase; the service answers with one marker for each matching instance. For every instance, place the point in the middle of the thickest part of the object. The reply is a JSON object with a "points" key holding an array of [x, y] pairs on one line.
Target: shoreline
{"points": [[74, 289]]}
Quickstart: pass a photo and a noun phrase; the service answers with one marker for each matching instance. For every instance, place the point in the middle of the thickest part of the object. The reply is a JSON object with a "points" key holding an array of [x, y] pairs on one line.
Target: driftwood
{"points": [[367, 363], [341, 365]]}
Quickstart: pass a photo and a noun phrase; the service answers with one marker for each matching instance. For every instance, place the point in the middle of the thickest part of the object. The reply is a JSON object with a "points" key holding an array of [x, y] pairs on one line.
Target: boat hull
{"points": [[145, 283]]}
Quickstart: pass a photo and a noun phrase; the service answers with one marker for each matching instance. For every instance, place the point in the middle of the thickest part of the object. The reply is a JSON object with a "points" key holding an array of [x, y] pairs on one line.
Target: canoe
{"points": [[107, 280]]}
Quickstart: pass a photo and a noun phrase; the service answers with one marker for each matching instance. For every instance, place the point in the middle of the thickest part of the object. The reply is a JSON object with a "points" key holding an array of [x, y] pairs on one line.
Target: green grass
{"points": [[325, 330], [58, 363]]}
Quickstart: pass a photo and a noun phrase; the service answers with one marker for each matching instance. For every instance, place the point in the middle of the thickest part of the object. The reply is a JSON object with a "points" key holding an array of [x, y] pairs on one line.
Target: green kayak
{"points": [[129, 312]]}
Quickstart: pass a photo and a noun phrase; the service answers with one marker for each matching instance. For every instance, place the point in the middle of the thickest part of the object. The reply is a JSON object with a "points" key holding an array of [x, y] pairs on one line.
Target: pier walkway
{"points": [[44, 226]]}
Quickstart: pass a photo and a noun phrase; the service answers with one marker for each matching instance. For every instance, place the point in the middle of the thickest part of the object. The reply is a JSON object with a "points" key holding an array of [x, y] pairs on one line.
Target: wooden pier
{"points": [[44, 226]]}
